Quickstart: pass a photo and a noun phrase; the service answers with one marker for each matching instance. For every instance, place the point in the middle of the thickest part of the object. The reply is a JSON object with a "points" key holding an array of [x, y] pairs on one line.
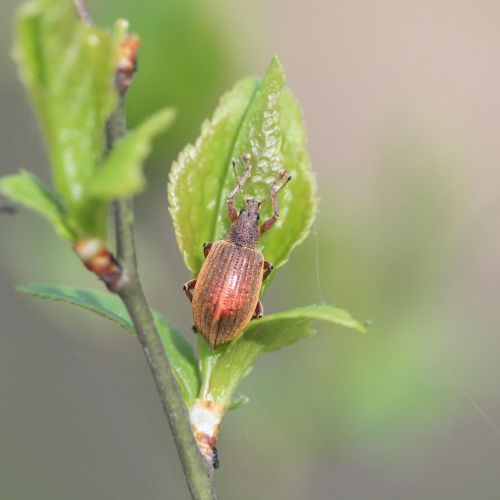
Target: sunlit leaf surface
{"points": [[263, 119], [68, 67]]}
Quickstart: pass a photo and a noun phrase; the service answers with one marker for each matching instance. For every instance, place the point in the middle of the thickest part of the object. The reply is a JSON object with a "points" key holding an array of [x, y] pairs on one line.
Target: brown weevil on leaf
{"points": [[225, 295]]}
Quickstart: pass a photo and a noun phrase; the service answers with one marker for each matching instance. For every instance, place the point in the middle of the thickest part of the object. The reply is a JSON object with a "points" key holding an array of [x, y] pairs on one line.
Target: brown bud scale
{"points": [[99, 260]]}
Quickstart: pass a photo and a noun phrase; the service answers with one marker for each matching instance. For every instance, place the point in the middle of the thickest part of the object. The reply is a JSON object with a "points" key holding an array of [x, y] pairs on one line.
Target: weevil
{"points": [[225, 295]]}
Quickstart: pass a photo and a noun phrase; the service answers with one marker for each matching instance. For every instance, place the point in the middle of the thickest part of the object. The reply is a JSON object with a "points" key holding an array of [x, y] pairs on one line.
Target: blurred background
{"points": [[401, 102]]}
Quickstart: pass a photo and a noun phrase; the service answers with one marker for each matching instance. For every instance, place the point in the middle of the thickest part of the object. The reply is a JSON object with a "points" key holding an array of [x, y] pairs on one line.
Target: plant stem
{"points": [[199, 474], [83, 12]]}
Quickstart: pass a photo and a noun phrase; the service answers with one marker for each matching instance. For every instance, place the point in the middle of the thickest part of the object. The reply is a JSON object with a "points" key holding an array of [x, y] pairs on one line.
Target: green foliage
{"points": [[262, 118], [196, 178], [68, 68], [221, 370], [27, 189], [181, 357], [188, 55], [126, 159], [268, 334], [297, 214], [178, 350]]}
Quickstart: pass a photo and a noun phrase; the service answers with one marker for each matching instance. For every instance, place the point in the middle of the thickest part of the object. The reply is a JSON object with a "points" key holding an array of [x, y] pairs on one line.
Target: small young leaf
{"points": [[208, 360], [68, 69], [238, 402], [27, 189], [178, 350], [266, 335], [121, 174], [257, 117]]}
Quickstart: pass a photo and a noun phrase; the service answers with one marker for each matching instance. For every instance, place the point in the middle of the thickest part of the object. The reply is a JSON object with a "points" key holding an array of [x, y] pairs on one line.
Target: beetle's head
{"points": [[251, 210], [245, 229]]}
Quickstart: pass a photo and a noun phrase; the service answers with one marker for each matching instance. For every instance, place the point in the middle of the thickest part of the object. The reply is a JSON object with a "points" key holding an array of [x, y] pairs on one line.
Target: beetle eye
{"points": [[241, 211], [257, 216]]}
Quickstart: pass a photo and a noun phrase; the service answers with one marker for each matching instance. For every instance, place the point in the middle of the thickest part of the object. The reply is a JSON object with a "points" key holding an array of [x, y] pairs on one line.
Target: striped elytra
{"points": [[227, 291]]}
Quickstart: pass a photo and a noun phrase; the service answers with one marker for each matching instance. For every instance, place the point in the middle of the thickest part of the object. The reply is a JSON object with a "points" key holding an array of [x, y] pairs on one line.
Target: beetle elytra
{"points": [[225, 295]]}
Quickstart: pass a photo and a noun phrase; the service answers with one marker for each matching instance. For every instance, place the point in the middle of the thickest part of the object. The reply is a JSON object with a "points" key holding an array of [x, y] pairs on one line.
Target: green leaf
{"points": [[260, 117], [260, 134], [121, 174], [178, 350], [104, 304], [298, 203], [68, 69], [27, 189], [196, 178], [181, 357], [268, 334]]}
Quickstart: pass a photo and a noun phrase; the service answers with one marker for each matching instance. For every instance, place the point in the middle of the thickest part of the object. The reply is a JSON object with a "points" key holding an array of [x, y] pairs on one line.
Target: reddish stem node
{"points": [[98, 259], [126, 64]]}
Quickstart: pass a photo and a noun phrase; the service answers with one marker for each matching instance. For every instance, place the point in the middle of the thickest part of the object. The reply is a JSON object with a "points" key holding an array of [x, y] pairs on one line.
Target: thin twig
{"points": [[199, 474], [83, 12]]}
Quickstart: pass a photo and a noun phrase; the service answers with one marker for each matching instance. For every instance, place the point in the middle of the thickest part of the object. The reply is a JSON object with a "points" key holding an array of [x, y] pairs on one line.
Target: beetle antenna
{"points": [[245, 159], [281, 175], [233, 215], [233, 163]]}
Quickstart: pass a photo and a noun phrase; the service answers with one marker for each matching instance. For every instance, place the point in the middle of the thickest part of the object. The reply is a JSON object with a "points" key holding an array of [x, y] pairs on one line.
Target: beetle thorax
{"points": [[245, 231]]}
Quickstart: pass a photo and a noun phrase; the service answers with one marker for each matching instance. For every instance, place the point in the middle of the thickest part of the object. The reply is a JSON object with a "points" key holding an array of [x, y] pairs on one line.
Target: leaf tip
{"points": [[276, 63], [276, 69], [26, 289]]}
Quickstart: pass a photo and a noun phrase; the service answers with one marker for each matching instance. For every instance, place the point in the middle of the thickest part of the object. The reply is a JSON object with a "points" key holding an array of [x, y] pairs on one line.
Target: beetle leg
{"points": [[274, 198], [206, 248], [268, 269], [259, 311], [245, 159], [188, 289]]}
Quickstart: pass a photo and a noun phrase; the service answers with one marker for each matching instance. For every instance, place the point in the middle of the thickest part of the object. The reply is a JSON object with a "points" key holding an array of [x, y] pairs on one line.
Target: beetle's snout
{"points": [[253, 205]]}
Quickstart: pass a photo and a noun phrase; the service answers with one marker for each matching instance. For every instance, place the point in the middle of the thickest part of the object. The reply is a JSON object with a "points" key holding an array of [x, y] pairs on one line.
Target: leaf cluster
{"points": [[68, 69]]}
